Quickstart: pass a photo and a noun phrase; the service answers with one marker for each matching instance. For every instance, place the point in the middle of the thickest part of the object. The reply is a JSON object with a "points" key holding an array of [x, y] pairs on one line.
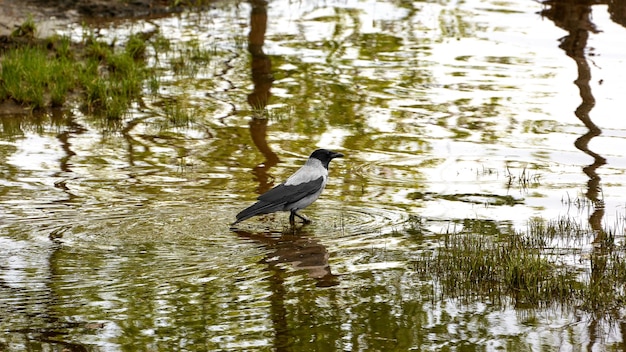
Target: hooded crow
{"points": [[298, 192]]}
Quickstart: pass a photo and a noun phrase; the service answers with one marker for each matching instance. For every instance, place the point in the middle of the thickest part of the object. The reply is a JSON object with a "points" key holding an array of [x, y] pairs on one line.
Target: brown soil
{"points": [[51, 14]]}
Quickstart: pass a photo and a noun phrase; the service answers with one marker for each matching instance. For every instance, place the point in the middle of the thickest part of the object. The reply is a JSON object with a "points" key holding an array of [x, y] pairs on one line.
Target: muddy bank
{"points": [[51, 14]]}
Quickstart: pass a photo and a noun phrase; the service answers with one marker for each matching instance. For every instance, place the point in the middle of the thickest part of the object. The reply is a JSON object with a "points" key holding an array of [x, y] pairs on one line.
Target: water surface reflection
{"points": [[298, 248], [575, 18], [258, 99], [453, 116]]}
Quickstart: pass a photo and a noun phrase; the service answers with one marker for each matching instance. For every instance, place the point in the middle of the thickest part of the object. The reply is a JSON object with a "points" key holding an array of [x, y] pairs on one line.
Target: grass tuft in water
{"points": [[524, 180], [471, 265], [26, 30], [112, 79], [190, 59], [178, 113], [531, 269], [136, 47]]}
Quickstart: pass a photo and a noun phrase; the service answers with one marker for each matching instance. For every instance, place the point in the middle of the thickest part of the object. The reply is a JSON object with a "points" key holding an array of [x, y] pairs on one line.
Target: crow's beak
{"points": [[336, 155]]}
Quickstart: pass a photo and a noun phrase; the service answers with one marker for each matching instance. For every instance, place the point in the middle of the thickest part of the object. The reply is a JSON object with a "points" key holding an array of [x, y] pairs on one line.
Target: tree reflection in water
{"points": [[575, 17], [295, 247], [259, 97]]}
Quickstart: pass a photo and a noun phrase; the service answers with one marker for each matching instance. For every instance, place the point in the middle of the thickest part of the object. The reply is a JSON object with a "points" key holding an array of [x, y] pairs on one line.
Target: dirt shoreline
{"points": [[49, 15]]}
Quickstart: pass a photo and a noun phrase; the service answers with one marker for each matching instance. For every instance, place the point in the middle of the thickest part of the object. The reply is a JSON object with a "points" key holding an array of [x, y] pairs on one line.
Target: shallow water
{"points": [[116, 236]]}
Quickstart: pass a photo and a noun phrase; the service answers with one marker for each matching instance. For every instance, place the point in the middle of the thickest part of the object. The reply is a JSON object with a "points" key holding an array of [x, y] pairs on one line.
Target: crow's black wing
{"points": [[285, 194], [276, 198]]}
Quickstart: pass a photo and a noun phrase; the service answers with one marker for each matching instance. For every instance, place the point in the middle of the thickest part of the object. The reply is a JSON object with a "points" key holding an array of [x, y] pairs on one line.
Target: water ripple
{"points": [[356, 220], [397, 168]]}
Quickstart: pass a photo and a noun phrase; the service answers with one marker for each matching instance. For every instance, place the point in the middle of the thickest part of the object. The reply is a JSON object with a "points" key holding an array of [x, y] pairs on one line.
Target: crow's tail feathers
{"points": [[257, 208]]}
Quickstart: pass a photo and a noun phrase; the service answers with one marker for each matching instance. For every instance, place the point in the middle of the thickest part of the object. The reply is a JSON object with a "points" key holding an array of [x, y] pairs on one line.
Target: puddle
{"points": [[117, 236]]}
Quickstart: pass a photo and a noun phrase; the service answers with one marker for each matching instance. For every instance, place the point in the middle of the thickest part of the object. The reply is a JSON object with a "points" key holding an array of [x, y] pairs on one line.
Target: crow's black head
{"points": [[325, 156]]}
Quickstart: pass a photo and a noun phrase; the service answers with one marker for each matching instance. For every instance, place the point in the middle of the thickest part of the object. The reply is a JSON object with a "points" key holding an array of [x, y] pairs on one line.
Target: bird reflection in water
{"points": [[298, 248]]}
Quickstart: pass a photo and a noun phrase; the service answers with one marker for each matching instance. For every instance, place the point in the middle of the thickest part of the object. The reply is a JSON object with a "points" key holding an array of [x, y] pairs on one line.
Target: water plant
{"points": [[112, 79], [27, 30], [191, 58], [524, 180], [541, 267], [178, 113]]}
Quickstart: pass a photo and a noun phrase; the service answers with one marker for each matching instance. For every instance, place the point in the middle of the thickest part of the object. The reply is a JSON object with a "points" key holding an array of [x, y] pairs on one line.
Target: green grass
{"points": [[30, 76], [190, 59], [27, 30], [112, 79], [104, 78], [531, 269], [178, 113]]}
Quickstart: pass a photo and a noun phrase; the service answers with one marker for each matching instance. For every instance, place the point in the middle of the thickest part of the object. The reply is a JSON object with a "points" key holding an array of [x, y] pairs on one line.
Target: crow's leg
{"points": [[294, 214]]}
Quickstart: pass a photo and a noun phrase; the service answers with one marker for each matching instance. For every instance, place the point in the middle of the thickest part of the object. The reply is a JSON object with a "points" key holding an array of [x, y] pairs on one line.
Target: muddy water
{"points": [[115, 236]]}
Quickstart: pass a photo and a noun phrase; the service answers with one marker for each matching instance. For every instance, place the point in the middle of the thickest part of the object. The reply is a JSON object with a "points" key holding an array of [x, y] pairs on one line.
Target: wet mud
{"points": [[49, 14]]}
